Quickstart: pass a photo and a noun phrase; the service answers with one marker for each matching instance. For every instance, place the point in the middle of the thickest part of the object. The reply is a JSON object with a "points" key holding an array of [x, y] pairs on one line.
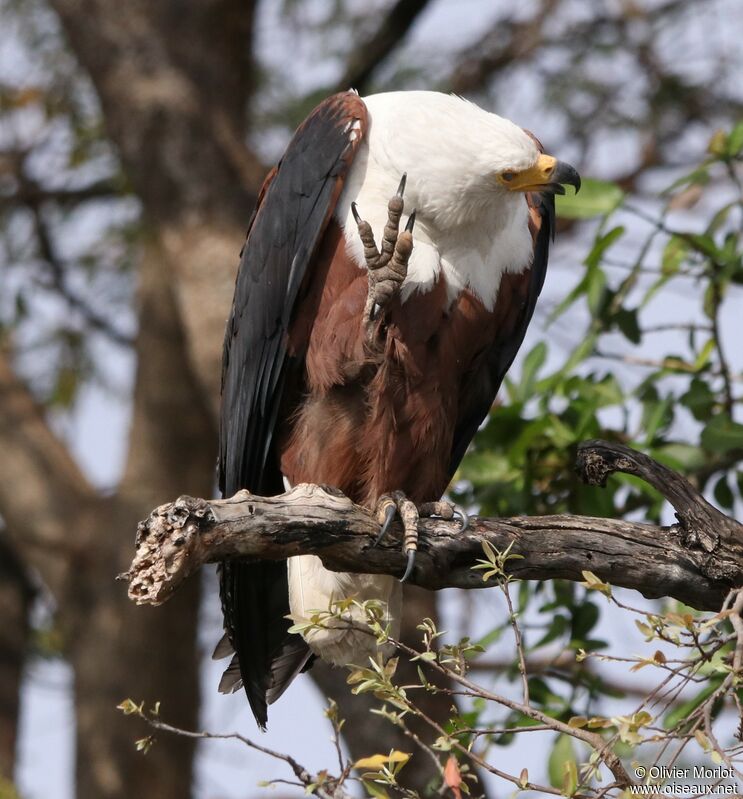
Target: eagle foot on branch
{"points": [[387, 267], [396, 503]]}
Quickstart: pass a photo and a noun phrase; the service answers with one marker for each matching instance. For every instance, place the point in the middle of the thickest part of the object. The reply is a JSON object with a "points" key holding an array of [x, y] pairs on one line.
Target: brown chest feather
{"points": [[375, 419]]}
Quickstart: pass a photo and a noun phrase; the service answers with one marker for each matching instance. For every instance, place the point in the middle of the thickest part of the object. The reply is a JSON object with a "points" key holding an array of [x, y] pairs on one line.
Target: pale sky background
{"points": [[97, 432]]}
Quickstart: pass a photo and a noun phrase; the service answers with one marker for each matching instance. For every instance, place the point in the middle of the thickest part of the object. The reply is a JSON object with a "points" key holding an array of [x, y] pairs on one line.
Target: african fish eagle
{"points": [[363, 356]]}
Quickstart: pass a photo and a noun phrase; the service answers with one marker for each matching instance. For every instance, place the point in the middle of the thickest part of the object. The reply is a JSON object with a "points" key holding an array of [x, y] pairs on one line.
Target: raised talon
{"points": [[387, 265]]}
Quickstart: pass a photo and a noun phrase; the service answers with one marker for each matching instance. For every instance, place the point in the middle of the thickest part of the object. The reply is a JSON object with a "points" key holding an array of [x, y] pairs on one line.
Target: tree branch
{"points": [[369, 55], [57, 274], [506, 42], [31, 192], [696, 561]]}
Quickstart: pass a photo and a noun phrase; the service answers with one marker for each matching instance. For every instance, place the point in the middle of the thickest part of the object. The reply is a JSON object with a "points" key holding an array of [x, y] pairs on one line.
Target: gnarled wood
{"points": [[696, 561]]}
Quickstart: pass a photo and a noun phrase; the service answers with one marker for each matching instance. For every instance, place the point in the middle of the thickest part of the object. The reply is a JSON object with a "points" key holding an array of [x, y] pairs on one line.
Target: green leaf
{"points": [[698, 177], [675, 253], [128, 707], [595, 290], [596, 198], [562, 753], [722, 434], [532, 364], [602, 244], [722, 493], [720, 217], [705, 354], [699, 399], [704, 244], [734, 144], [374, 790], [585, 617], [570, 777], [678, 456], [657, 415], [626, 321], [558, 626]]}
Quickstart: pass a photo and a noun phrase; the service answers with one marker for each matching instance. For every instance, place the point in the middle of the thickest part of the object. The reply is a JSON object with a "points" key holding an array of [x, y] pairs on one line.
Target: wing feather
{"points": [[295, 205]]}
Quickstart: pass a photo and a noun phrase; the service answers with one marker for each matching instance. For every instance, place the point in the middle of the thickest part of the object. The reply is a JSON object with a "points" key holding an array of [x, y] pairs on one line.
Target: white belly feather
{"points": [[313, 588]]}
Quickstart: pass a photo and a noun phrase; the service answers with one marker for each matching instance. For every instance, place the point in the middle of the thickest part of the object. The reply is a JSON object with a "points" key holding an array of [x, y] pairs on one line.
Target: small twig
{"points": [[519, 642], [594, 740], [304, 776]]}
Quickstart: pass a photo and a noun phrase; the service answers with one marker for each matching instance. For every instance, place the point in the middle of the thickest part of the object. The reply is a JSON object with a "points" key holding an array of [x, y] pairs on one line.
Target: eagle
{"points": [[390, 271]]}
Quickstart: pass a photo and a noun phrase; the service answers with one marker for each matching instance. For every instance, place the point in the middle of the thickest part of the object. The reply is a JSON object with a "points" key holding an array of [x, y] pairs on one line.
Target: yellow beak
{"points": [[547, 174]]}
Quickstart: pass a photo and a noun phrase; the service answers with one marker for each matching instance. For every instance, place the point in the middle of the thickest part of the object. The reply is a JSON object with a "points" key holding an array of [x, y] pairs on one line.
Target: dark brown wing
{"points": [[514, 308], [295, 206]]}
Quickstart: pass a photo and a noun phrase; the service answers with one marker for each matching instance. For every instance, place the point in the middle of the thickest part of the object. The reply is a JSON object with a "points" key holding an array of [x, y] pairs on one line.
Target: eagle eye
{"points": [[508, 176]]}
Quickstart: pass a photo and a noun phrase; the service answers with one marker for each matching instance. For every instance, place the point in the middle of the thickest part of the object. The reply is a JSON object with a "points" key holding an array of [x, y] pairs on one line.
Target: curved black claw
{"points": [[356, 214], [389, 515], [401, 187], [411, 222], [461, 513], [409, 566]]}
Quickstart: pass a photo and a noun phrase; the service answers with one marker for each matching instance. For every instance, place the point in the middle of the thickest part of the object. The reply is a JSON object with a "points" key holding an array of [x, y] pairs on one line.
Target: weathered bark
{"points": [[697, 560], [16, 595]]}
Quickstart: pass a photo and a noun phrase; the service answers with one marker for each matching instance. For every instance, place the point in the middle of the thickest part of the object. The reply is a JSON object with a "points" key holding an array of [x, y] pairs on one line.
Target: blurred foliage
{"points": [[681, 405], [682, 409]]}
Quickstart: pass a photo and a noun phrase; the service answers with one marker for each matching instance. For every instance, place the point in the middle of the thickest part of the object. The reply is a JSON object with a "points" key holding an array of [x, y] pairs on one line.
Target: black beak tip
{"points": [[565, 174]]}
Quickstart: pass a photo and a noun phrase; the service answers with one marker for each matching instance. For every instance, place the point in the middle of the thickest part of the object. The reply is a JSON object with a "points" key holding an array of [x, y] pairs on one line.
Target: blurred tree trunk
{"points": [[173, 82], [16, 596], [56, 518], [172, 87]]}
